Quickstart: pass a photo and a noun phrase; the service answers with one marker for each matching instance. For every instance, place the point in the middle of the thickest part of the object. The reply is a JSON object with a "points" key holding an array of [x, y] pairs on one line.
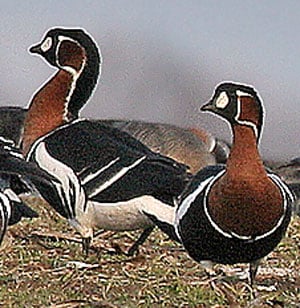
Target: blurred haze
{"points": [[162, 59]]}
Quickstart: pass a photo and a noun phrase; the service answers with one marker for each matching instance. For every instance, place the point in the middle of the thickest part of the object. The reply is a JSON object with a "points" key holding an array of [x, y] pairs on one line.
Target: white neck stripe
{"points": [[75, 74], [242, 93], [244, 122]]}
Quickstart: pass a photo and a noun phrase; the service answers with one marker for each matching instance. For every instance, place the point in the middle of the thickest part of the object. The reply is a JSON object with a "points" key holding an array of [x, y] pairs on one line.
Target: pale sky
{"points": [[162, 59]]}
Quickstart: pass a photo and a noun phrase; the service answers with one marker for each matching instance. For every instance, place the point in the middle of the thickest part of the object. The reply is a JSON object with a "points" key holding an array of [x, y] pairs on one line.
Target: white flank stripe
{"points": [[116, 177], [91, 176], [64, 174], [11, 142], [163, 212], [9, 145], [3, 221], [6, 204], [11, 195], [185, 205], [15, 154]]}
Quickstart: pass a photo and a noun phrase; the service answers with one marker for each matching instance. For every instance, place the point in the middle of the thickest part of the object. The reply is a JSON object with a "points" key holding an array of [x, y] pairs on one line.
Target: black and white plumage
{"points": [[193, 224], [105, 178], [14, 173], [12, 210], [238, 212], [192, 147], [76, 56]]}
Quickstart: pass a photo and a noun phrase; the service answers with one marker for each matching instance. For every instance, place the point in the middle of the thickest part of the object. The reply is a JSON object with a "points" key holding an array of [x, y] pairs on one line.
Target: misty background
{"points": [[163, 59]]}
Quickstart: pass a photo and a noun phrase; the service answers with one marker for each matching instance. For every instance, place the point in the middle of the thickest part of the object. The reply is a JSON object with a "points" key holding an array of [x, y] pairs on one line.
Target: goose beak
{"points": [[207, 106], [35, 49]]}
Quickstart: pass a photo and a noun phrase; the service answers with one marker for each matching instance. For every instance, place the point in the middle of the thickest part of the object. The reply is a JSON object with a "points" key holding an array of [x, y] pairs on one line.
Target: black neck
{"points": [[87, 80]]}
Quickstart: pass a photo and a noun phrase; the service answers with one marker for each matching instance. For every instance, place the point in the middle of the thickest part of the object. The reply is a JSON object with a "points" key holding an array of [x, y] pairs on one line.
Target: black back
{"points": [[89, 146]]}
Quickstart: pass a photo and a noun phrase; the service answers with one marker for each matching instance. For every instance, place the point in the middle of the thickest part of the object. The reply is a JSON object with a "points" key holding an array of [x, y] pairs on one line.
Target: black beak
{"points": [[36, 49], [208, 106]]}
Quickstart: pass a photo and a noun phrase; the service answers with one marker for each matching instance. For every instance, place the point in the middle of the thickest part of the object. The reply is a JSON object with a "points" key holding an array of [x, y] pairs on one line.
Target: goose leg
{"points": [[253, 267], [86, 243], [134, 248]]}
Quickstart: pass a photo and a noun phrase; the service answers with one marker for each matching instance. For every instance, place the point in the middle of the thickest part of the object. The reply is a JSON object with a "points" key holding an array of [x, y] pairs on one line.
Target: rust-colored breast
{"points": [[48, 109], [245, 200], [247, 205]]}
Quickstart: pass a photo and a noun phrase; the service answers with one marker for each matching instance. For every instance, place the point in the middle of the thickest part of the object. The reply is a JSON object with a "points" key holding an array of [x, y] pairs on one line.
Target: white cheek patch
{"points": [[46, 44], [222, 100]]}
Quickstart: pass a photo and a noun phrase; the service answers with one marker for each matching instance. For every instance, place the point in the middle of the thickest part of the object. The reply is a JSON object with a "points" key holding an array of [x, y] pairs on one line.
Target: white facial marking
{"points": [[222, 100], [241, 93], [46, 44]]}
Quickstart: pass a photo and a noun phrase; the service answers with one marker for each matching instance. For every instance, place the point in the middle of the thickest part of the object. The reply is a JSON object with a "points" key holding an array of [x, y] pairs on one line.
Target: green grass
{"points": [[42, 265]]}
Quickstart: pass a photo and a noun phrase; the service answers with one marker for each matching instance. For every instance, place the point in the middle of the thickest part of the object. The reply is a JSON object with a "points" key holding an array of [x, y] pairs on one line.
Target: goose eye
{"points": [[222, 100], [46, 44]]}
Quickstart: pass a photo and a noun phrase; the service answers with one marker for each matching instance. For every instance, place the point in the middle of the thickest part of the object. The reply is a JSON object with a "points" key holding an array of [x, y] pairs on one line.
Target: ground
{"points": [[42, 265]]}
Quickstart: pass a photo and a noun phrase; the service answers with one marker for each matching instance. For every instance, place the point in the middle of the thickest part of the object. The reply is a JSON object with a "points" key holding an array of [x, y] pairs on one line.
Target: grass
{"points": [[42, 265]]}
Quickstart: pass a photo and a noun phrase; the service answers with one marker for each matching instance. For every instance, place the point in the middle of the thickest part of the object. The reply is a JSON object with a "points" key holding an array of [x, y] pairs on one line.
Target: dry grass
{"points": [[42, 266]]}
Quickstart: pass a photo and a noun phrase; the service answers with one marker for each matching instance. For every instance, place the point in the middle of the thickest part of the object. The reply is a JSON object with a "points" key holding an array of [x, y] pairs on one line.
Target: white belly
{"points": [[122, 216]]}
